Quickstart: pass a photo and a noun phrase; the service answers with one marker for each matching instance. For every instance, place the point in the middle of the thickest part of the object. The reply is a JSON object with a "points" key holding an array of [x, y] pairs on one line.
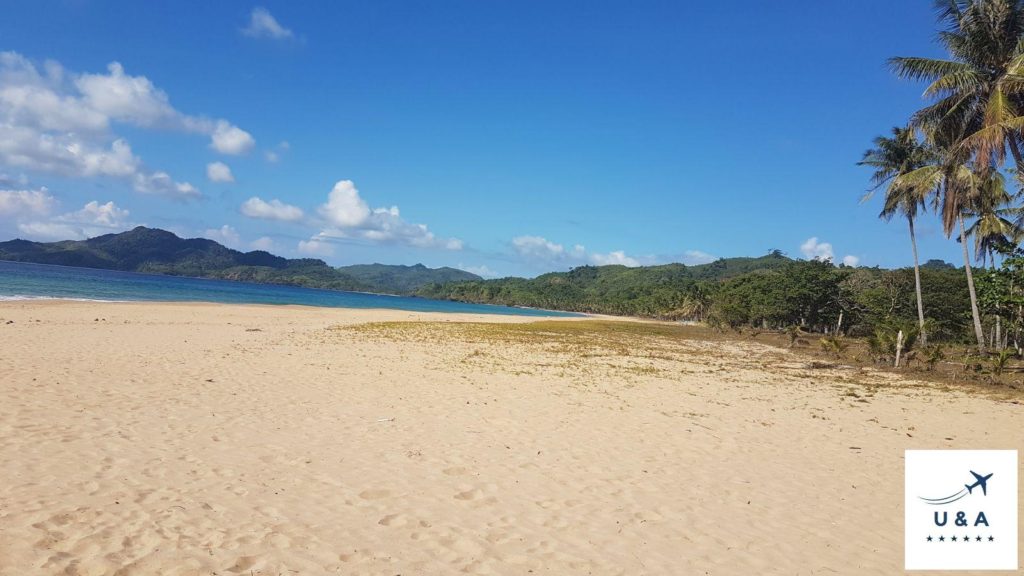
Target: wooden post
{"points": [[899, 347]]}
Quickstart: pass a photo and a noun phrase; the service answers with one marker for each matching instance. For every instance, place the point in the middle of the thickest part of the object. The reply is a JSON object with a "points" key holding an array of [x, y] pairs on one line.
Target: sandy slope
{"points": [[210, 439]]}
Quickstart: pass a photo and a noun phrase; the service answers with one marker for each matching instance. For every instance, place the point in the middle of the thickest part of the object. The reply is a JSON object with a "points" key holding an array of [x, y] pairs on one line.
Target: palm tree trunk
{"points": [[1018, 160], [917, 282], [999, 337], [970, 287]]}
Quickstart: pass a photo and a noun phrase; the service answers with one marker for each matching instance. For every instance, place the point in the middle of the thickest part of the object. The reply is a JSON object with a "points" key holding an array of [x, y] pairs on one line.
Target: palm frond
{"points": [[914, 68]]}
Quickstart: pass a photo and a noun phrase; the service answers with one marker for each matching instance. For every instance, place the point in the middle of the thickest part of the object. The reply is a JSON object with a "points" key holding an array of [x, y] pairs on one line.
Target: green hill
{"points": [[772, 291], [655, 291], [155, 251], [405, 279]]}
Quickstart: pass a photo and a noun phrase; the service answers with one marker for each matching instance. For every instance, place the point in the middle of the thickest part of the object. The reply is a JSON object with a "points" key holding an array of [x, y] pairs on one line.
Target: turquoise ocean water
{"points": [[19, 281]]}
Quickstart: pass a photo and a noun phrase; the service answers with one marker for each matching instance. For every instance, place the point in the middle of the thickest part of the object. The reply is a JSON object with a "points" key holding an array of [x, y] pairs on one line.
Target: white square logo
{"points": [[961, 510]]}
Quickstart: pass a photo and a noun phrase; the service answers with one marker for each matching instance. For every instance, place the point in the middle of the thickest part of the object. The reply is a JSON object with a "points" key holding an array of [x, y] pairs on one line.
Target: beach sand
{"points": [[142, 438]]}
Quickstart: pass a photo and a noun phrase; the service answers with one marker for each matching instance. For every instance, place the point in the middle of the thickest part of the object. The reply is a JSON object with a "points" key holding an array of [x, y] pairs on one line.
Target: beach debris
{"points": [[391, 419]]}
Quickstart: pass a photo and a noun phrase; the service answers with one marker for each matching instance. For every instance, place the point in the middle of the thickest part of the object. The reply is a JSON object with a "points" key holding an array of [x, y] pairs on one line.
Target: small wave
{"points": [[24, 298]]}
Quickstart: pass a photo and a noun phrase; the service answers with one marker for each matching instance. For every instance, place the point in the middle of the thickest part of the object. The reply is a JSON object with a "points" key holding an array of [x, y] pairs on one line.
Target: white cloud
{"points": [[256, 207], [162, 184], [616, 257], [345, 208], [347, 215], [482, 271], [538, 247], [263, 25], [58, 122], [315, 247], [694, 257], [543, 252], [26, 202], [29, 98], [130, 99], [226, 235], [219, 172], [65, 154], [94, 213], [274, 156], [812, 249], [229, 139], [94, 219], [50, 231], [265, 243]]}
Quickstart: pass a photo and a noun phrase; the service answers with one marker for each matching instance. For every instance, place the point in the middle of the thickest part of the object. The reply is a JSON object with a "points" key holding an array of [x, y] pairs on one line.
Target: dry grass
{"points": [[661, 349]]}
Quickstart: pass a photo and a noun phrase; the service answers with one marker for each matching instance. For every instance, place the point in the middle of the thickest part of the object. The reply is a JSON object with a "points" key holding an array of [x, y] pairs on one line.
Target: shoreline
{"points": [[255, 285], [44, 300]]}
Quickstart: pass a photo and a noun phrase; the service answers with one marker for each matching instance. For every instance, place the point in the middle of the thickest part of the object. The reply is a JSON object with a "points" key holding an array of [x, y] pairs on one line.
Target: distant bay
{"points": [[20, 280]]}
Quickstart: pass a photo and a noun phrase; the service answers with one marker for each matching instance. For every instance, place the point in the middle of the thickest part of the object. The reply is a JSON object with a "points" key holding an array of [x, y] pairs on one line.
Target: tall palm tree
{"points": [[954, 184], [979, 92], [995, 226], [892, 158], [978, 96]]}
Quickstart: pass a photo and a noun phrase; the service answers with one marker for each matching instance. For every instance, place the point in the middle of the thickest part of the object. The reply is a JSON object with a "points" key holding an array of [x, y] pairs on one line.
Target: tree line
{"points": [[959, 157]]}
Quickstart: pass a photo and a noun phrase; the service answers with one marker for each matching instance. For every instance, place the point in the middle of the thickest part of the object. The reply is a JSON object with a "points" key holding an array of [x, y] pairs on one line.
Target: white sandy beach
{"points": [[215, 439]]}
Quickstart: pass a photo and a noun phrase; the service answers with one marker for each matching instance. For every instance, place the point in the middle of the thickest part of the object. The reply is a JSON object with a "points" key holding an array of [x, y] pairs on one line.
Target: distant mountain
{"points": [[155, 251], [644, 290]]}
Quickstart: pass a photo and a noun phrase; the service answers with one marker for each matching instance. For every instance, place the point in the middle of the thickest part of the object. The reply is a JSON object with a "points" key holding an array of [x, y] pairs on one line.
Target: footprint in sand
{"points": [[394, 520], [244, 564], [469, 494], [455, 471], [354, 556]]}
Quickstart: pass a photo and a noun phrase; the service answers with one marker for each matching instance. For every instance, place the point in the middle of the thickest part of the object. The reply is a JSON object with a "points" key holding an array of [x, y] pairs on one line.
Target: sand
{"points": [[216, 439]]}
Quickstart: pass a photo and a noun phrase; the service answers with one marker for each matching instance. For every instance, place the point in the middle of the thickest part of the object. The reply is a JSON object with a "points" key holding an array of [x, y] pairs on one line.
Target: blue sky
{"points": [[505, 137]]}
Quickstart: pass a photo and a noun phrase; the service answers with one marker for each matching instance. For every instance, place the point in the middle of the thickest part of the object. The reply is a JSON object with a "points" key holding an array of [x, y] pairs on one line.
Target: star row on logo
{"points": [[960, 539]]}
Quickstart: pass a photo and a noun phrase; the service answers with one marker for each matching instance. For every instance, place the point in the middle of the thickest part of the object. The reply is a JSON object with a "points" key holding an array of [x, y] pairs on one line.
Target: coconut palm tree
{"points": [[996, 221], [975, 115], [979, 92], [891, 158], [995, 227], [953, 183]]}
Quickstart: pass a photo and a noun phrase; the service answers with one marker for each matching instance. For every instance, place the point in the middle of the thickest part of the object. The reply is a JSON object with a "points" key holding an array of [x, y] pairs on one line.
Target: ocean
{"points": [[23, 281]]}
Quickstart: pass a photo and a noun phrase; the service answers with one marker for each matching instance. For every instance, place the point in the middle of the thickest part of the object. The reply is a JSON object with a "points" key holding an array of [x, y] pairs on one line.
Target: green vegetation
{"points": [[403, 279], [669, 291], [772, 292], [154, 251]]}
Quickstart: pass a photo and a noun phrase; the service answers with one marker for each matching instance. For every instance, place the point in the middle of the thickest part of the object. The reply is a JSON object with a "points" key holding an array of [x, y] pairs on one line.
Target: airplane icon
{"points": [[981, 481]]}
